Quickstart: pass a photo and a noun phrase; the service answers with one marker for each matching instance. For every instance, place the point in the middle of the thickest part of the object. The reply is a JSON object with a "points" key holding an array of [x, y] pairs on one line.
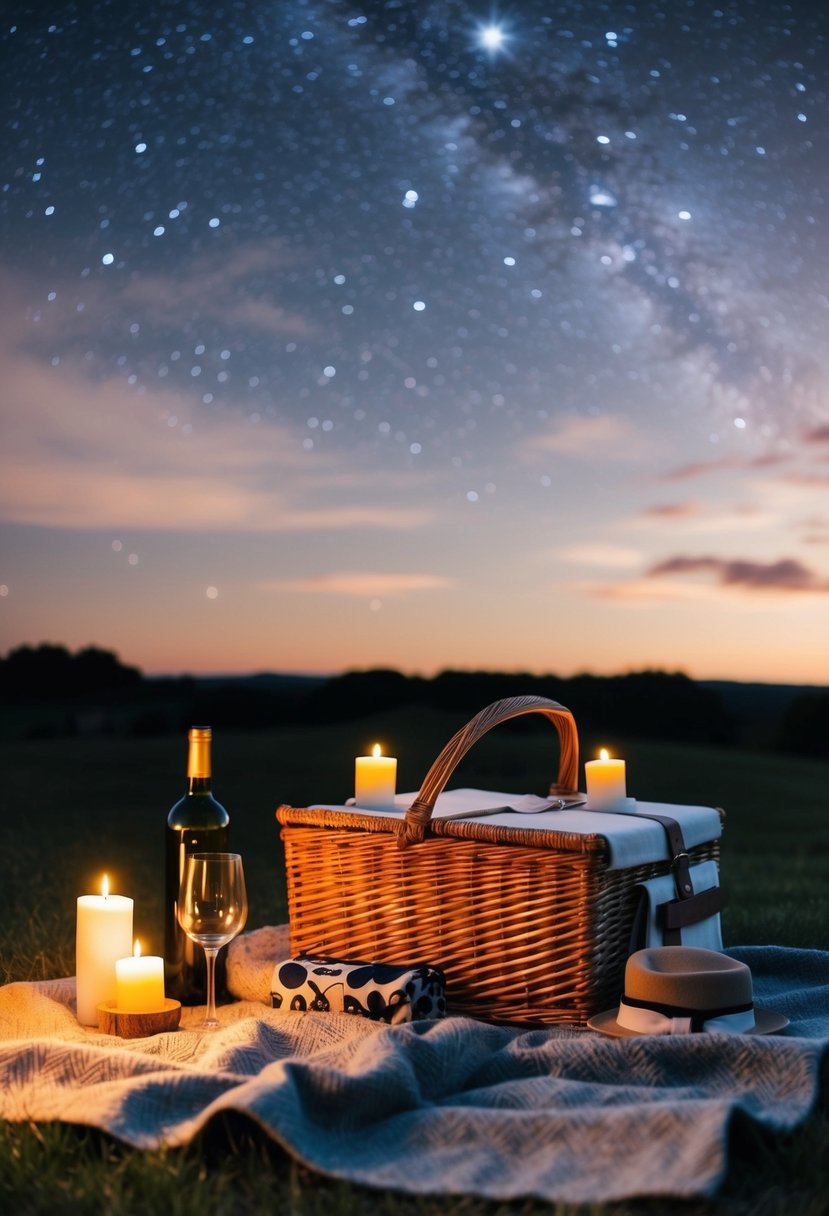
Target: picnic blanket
{"points": [[453, 1106]]}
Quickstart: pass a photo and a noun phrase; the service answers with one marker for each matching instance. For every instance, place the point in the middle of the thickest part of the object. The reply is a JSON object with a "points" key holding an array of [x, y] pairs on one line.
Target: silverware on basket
{"points": [[552, 804]]}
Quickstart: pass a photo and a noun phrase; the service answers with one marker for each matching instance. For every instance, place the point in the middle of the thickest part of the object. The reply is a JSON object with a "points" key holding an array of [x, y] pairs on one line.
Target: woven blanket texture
{"points": [[450, 1107]]}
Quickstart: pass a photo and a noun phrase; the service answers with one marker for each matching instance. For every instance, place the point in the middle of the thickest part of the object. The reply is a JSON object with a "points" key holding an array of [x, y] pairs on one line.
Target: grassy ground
{"points": [[74, 809]]}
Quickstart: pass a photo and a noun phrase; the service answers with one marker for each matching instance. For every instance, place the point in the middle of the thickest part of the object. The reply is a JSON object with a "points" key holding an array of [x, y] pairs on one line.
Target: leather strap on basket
{"points": [[413, 828], [689, 907]]}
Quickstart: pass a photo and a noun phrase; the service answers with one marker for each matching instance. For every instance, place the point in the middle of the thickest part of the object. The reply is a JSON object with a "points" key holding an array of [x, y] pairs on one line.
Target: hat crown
{"points": [[687, 977], [679, 990]]}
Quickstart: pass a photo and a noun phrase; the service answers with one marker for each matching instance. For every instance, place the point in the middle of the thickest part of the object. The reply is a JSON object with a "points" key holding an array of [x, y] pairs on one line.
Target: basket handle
{"points": [[413, 828]]}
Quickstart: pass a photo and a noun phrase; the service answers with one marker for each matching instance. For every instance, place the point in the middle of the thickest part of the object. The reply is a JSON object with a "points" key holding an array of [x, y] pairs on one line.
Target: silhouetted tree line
{"points": [[93, 691], [46, 672], [805, 726], [657, 704]]}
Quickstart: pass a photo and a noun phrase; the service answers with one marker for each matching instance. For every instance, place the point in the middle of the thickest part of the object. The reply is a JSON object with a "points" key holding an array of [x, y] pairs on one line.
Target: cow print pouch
{"points": [[378, 991]]}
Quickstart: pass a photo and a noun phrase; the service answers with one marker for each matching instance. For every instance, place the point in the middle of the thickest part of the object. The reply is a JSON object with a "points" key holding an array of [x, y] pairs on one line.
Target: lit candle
{"points": [[375, 780], [605, 779], [139, 983], [103, 934]]}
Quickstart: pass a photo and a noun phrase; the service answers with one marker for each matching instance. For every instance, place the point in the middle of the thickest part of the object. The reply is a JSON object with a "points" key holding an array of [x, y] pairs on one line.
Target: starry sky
{"points": [[417, 334]]}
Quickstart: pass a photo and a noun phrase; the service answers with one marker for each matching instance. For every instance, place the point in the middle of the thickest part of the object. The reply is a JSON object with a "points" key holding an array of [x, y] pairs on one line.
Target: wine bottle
{"points": [[196, 824]]}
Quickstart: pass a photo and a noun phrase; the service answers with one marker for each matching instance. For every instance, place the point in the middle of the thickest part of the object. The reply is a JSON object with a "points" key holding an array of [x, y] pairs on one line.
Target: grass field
{"points": [[76, 808]]}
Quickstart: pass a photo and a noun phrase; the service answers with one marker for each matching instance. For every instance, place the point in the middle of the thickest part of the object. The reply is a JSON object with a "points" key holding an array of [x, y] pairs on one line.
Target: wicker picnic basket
{"points": [[528, 926]]}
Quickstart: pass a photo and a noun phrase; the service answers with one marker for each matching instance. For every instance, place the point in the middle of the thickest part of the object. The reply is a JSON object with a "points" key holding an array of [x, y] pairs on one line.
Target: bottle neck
{"points": [[198, 760]]}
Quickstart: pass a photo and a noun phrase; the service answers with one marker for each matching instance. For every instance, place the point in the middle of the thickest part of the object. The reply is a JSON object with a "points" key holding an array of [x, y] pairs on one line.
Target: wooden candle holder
{"points": [[112, 1020]]}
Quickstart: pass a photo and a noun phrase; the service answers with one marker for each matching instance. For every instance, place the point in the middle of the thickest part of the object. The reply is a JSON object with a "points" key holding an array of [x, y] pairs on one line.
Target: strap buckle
{"points": [[682, 875]]}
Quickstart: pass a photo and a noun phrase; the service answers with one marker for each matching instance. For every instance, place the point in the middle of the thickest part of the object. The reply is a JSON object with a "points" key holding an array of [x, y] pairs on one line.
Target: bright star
{"points": [[492, 37]]}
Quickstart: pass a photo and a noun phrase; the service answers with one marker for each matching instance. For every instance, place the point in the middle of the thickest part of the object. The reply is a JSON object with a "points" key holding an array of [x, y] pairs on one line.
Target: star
{"points": [[492, 37]]}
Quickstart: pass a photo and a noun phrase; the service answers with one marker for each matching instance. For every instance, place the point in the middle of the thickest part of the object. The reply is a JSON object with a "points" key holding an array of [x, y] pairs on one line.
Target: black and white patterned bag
{"points": [[378, 991]]}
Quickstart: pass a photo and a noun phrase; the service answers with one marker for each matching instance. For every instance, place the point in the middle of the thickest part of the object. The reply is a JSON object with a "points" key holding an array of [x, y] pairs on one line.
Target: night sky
{"points": [[417, 334]]}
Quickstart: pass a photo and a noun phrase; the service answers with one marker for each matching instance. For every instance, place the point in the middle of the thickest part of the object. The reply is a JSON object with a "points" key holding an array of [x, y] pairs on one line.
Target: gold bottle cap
{"points": [[198, 756]]}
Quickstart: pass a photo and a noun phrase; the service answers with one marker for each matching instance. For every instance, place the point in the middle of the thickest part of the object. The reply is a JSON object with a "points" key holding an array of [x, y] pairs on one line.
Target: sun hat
{"points": [[684, 990]]}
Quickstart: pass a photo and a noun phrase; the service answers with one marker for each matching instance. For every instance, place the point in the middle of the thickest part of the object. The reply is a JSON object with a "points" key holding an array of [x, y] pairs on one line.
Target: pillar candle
{"points": [[139, 983], [103, 934], [375, 780], [605, 779]]}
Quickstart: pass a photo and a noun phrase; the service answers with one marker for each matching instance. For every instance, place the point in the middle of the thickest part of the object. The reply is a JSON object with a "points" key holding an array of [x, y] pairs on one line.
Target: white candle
{"points": [[139, 983], [375, 780], [103, 934], [605, 780]]}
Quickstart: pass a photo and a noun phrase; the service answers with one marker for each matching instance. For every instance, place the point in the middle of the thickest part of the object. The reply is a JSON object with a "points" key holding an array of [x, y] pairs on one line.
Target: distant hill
{"points": [[759, 710], [46, 692], [790, 717], [277, 681]]}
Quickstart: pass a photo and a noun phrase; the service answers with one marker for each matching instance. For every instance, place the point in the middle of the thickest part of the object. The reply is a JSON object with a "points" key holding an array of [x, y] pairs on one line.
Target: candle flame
{"points": [[603, 754], [105, 887], [375, 751], [137, 950]]}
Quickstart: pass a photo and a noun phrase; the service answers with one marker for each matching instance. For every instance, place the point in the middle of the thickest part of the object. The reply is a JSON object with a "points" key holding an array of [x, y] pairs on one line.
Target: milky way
{"points": [[364, 221]]}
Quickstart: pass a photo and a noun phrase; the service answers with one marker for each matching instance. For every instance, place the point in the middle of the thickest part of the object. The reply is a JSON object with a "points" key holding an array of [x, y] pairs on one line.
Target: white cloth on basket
{"points": [[632, 839]]}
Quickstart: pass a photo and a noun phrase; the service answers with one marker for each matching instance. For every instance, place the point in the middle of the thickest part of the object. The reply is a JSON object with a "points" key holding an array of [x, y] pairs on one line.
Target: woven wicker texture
{"points": [[528, 926]]}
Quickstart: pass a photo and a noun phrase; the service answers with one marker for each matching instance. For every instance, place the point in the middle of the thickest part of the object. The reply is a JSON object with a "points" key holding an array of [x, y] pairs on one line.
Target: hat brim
{"points": [[766, 1021]]}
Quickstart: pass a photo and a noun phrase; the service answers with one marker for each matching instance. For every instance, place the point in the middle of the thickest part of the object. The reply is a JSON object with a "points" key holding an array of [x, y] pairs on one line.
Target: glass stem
{"points": [[210, 953]]}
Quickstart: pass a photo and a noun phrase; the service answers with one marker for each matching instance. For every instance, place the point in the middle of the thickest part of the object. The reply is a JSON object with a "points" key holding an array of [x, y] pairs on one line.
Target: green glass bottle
{"points": [[196, 824]]}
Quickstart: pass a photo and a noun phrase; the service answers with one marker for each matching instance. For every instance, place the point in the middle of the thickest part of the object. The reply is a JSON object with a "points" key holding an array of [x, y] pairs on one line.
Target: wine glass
{"points": [[212, 909]]}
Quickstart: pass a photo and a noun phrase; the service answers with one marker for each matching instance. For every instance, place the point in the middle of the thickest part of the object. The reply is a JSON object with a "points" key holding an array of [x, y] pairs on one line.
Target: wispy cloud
{"points": [[672, 510], [701, 468], [362, 583], [820, 481], [691, 517], [240, 290], [614, 557], [787, 574], [816, 535], [611, 436], [643, 593], [771, 459], [237, 287], [89, 454], [768, 460], [708, 579]]}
